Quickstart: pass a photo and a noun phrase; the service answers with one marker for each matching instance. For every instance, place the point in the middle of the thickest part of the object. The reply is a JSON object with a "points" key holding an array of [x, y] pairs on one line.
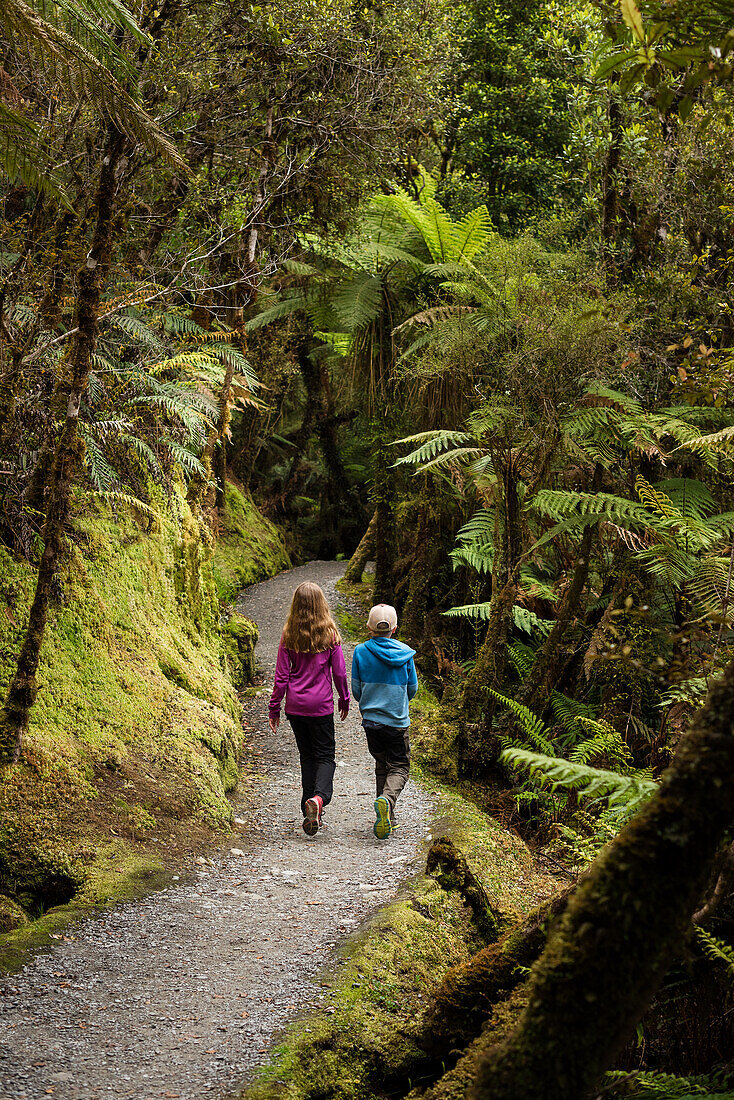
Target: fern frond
{"points": [[716, 949], [479, 611], [432, 443], [114, 497], [692, 691], [536, 733], [522, 657], [85, 77], [528, 621], [188, 462], [101, 473], [624, 791], [478, 557]]}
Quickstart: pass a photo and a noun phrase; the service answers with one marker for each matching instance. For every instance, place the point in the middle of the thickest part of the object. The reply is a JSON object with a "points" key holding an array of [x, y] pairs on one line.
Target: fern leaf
{"points": [[716, 949], [132, 502], [532, 726], [627, 792]]}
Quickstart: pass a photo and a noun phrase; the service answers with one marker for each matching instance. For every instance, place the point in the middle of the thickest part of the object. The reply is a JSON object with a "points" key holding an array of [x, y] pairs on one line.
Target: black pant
{"points": [[316, 748], [390, 746]]}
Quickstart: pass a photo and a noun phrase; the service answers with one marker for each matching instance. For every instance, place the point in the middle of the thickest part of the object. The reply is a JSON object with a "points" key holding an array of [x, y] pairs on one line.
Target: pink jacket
{"points": [[306, 681]]}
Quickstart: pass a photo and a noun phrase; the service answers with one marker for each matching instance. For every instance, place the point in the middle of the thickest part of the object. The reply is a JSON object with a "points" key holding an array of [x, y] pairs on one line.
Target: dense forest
{"points": [[442, 291]]}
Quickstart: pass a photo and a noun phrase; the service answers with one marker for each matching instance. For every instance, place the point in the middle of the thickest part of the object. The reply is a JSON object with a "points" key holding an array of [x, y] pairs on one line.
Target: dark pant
{"points": [[316, 748], [390, 747]]}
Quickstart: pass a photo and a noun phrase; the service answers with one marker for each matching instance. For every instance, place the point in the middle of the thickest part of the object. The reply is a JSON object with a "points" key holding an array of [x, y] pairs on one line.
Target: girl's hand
{"points": [[274, 723], [343, 710]]}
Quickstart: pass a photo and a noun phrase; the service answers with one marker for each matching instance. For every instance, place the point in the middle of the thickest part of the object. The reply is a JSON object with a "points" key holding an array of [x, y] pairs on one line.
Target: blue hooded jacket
{"points": [[384, 680]]}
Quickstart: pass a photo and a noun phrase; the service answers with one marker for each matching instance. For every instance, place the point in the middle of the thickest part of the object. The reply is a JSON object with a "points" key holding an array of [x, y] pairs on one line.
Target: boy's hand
{"points": [[343, 710], [274, 723]]}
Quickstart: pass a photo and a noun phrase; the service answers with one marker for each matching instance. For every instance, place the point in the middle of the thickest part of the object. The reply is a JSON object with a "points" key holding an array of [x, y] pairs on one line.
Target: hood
{"points": [[390, 651]]}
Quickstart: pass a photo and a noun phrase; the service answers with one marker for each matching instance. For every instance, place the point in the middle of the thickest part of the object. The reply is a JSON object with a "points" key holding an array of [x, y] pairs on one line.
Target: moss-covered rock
{"points": [[249, 547], [240, 638], [12, 915]]}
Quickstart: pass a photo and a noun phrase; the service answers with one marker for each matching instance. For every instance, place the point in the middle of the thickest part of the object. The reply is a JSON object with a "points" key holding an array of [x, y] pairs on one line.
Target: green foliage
{"points": [[536, 733], [69, 43], [716, 949], [625, 793], [507, 122]]}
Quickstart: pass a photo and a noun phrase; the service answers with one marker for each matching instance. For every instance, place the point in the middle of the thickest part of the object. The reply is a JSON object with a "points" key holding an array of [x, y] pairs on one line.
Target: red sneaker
{"points": [[312, 815]]}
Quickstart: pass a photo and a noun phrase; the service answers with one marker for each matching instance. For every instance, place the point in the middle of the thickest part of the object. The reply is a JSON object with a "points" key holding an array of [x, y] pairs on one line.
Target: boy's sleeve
{"points": [[339, 672], [282, 676], [412, 679], [356, 672]]}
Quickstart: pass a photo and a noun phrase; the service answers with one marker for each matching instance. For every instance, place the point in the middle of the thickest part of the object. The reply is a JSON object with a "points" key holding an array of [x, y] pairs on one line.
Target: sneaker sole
{"points": [[382, 827], [311, 819]]}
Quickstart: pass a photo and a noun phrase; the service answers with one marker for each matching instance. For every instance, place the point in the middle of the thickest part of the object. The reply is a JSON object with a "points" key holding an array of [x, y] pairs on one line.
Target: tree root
{"points": [[446, 863], [469, 993]]}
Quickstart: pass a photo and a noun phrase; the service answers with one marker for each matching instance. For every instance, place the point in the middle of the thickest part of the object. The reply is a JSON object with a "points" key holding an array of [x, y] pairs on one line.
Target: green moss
{"points": [[135, 737], [12, 915], [249, 547], [240, 638]]}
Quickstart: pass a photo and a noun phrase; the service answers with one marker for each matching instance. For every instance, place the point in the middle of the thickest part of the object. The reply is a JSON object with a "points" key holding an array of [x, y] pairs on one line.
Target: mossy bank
{"points": [[135, 737], [249, 547]]}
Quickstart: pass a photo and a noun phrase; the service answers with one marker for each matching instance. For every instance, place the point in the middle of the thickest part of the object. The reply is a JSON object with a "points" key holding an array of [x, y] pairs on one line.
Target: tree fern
{"points": [[72, 60], [433, 444]]}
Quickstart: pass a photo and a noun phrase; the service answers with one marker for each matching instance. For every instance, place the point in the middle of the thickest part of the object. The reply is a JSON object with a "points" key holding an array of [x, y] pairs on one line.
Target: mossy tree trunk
{"points": [[489, 669], [383, 495], [362, 554], [624, 924], [425, 562], [68, 452], [551, 656]]}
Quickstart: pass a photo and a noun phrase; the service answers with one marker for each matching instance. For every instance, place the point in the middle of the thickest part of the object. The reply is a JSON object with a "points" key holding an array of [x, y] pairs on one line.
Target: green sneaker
{"points": [[383, 826]]}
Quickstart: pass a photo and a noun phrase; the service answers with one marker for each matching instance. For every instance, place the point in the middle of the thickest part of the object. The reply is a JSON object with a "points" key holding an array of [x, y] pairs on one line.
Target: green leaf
{"points": [[633, 18]]}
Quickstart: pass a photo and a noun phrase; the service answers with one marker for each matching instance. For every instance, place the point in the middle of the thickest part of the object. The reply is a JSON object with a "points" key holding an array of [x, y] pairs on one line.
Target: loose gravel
{"points": [[182, 994]]}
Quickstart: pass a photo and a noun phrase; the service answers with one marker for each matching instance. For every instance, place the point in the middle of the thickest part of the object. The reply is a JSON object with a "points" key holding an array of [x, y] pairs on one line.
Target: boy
{"points": [[383, 683]]}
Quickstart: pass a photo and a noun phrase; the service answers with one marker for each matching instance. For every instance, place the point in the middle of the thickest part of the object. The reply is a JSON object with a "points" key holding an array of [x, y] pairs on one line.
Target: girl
{"points": [[309, 657]]}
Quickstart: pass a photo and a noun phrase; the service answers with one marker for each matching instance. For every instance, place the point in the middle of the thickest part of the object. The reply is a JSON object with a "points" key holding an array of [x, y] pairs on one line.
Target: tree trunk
{"points": [[362, 554], [550, 657], [423, 567], [489, 670], [624, 924], [610, 200], [383, 495], [69, 451], [318, 392], [468, 993]]}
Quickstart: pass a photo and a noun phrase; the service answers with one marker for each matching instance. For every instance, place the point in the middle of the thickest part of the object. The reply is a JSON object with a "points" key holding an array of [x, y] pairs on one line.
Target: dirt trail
{"points": [[180, 995]]}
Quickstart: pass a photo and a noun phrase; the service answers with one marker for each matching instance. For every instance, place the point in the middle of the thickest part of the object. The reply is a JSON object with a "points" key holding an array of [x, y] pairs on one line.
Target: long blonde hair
{"points": [[309, 627]]}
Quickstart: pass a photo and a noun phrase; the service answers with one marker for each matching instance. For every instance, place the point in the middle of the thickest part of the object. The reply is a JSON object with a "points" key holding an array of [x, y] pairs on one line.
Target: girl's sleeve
{"points": [[282, 676], [339, 672]]}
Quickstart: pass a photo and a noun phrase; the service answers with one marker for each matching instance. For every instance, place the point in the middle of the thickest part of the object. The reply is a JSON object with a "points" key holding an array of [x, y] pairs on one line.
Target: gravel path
{"points": [[181, 995]]}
